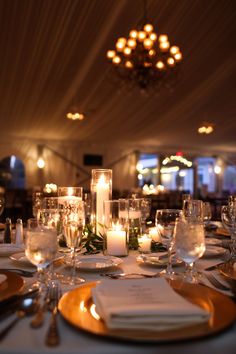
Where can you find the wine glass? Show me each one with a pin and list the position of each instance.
(228, 218)
(73, 222)
(41, 246)
(193, 209)
(207, 215)
(165, 222)
(145, 211)
(189, 245)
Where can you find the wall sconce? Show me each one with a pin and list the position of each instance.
(217, 169)
(41, 163)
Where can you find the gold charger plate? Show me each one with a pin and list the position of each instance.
(228, 270)
(11, 286)
(78, 309)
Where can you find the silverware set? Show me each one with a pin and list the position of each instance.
(30, 304)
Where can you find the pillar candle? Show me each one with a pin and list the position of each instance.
(116, 243)
(102, 195)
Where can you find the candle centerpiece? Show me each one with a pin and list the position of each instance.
(116, 229)
(101, 191)
(144, 243)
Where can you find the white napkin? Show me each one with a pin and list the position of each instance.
(148, 304)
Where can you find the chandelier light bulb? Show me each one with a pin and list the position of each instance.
(148, 28)
(152, 53)
(120, 46)
(127, 51)
(160, 65)
(163, 38)
(147, 43)
(174, 50)
(178, 56)
(128, 64)
(170, 61)
(141, 36)
(153, 37)
(131, 43)
(122, 40)
(133, 34)
(111, 54)
(164, 46)
(116, 59)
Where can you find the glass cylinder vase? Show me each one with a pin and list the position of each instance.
(101, 191)
(116, 226)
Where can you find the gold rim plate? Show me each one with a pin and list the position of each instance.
(11, 286)
(78, 309)
(228, 270)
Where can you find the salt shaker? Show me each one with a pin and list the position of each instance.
(19, 232)
(7, 231)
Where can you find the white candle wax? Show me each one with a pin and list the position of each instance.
(102, 195)
(144, 242)
(154, 233)
(133, 214)
(116, 243)
(69, 199)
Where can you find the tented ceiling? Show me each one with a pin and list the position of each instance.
(53, 56)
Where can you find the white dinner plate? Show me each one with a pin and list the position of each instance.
(20, 257)
(155, 259)
(213, 251)
(6, 249)
(94, 263)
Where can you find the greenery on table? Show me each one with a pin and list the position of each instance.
(91, 242)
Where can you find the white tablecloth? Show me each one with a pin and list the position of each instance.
(24, 340)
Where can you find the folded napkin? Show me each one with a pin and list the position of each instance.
(147, 304)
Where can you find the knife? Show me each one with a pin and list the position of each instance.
(11, 304)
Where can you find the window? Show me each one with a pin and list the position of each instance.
(147, 169)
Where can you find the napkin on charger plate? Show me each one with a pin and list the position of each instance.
(147, 304)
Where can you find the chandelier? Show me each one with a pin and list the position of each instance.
(145, 58)
(206, 128)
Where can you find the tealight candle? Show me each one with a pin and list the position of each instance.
(144, 242)
(116, 243)
(154, 233)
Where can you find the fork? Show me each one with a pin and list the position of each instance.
(124, 275)
(216, 283)
(52, 336)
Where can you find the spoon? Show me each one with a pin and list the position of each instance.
(27, 306)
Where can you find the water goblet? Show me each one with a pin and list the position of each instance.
(228, 218)
(207, 214)
(40, 246)
(189, 245)
(165, 222)
(193, 209)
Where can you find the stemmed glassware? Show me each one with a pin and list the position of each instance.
(72, 213)
(207, 214)
(189, 239)
(165, 222)
(193, 209)
(41, 246)
(228, 218)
